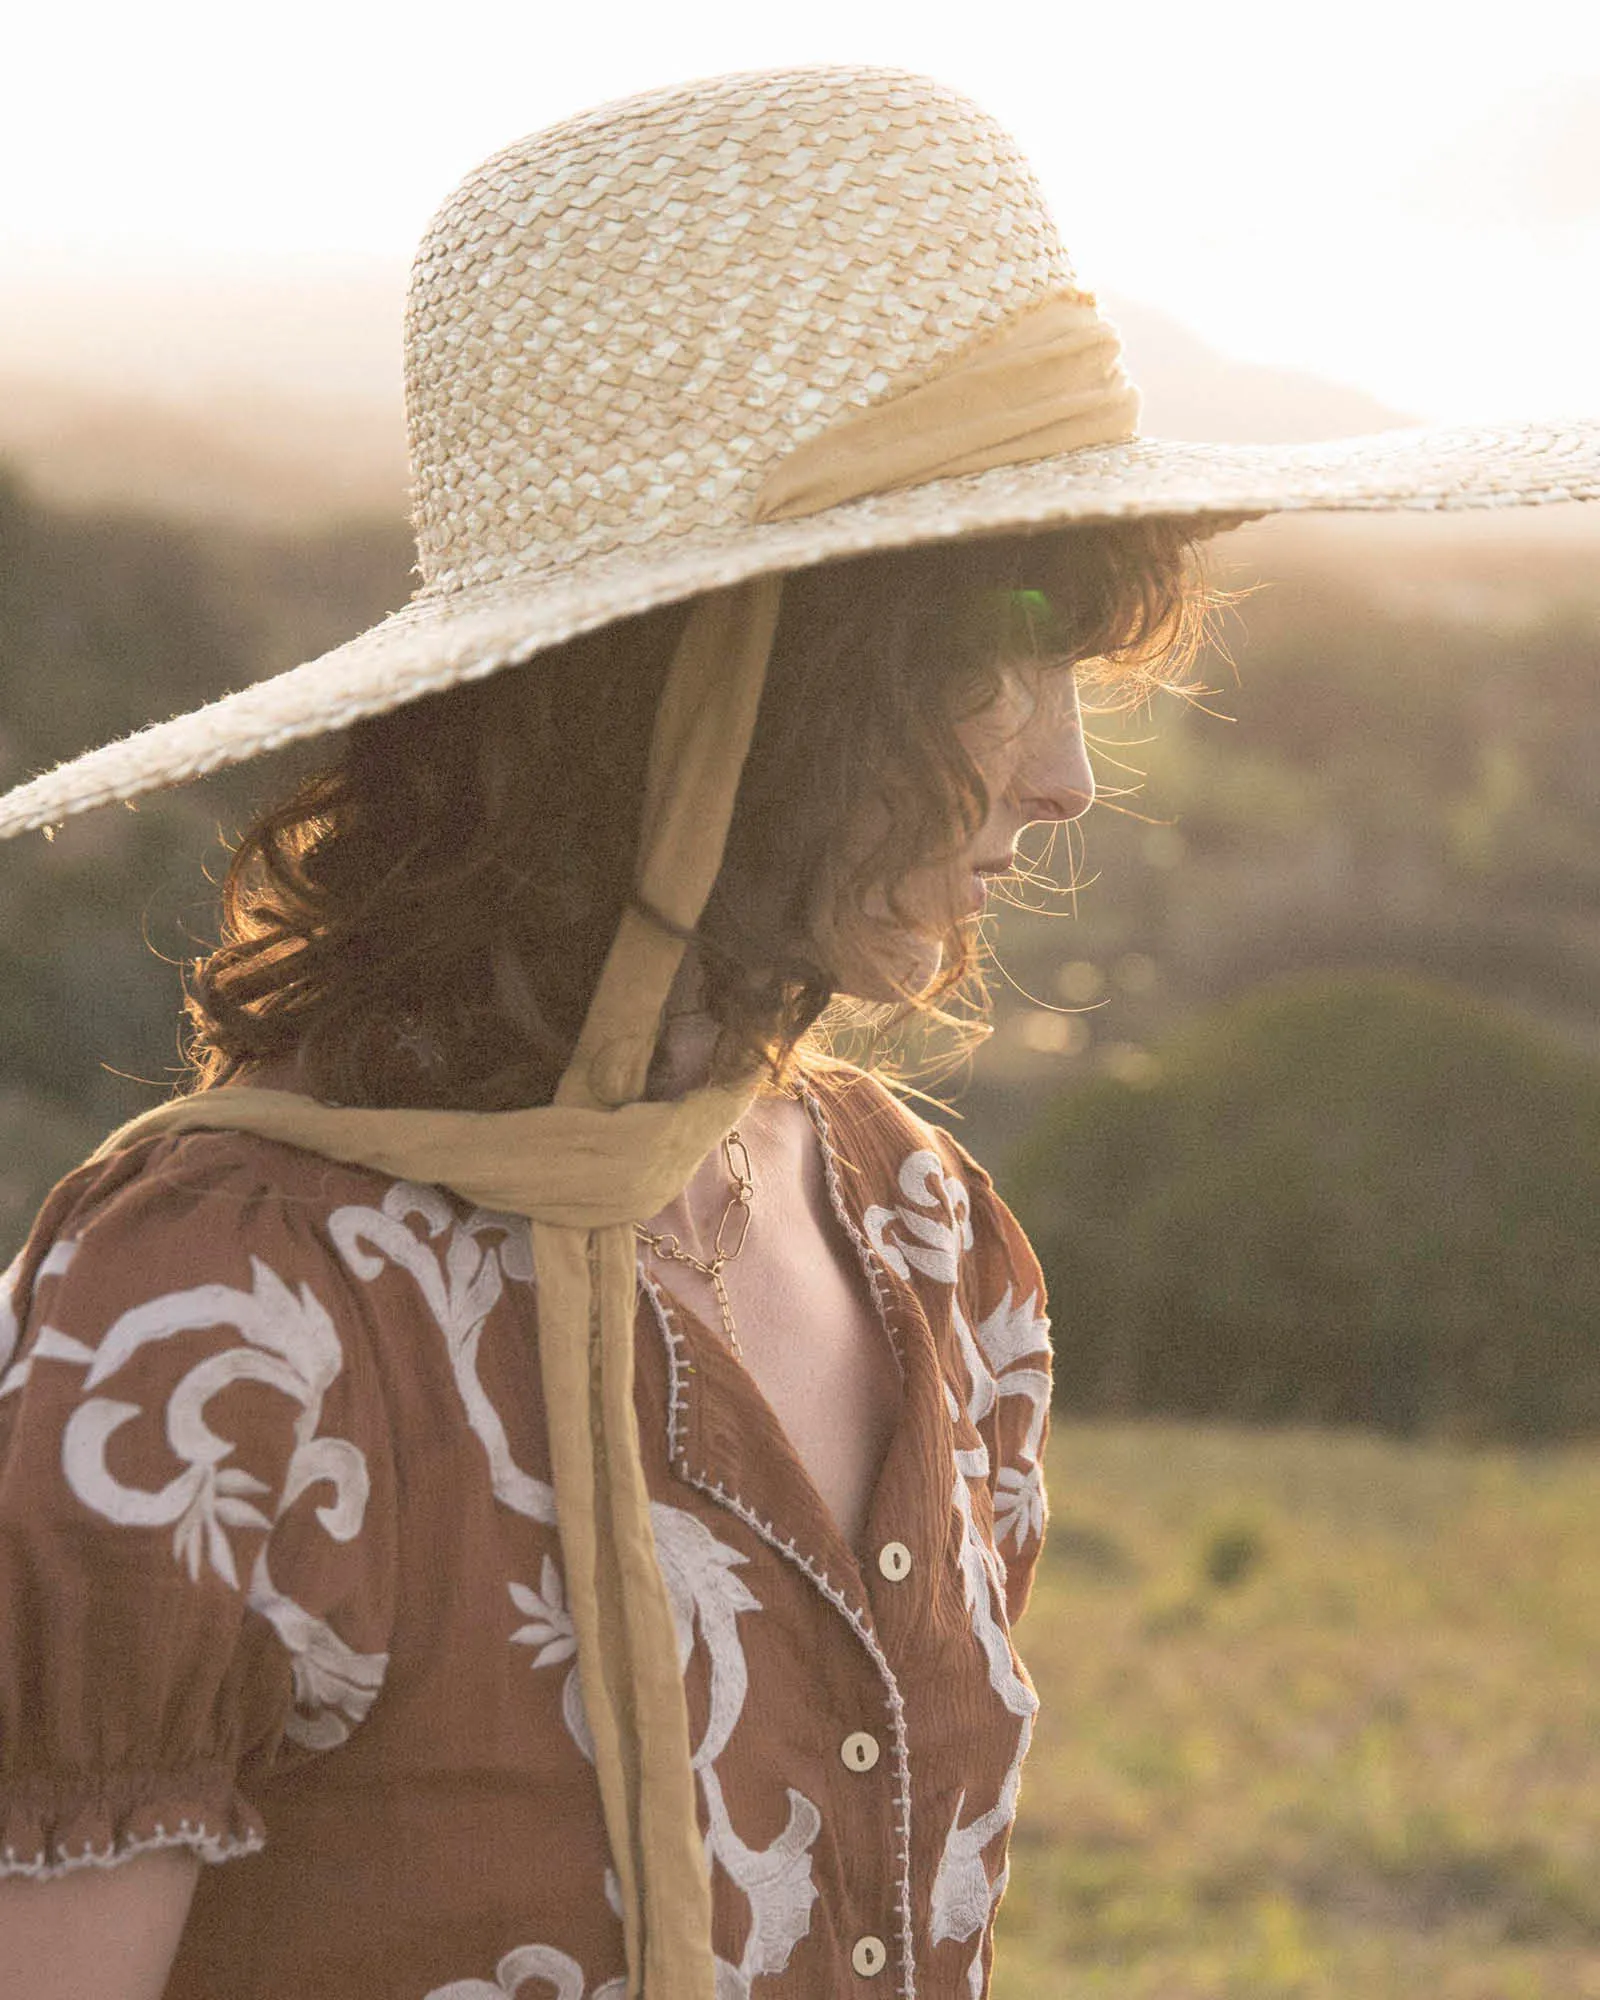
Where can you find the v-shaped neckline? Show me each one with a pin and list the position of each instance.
(730, 1440)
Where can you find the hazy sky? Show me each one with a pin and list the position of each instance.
(1403, 195)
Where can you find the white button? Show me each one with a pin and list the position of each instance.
(869, 1955)
(859, 1750)
(894, 1560)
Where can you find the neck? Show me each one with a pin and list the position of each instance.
(682, 1061)
(688, 1039)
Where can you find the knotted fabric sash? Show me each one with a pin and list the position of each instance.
(588, 1166)
(1047, 381)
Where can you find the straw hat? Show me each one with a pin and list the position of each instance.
(620, 329)
(673, 349)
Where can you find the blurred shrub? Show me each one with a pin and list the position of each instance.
(1231, 1551)
(1359, 1200)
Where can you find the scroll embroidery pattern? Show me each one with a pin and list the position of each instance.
(1017, 1332)
(559, 1975)
(289, 1347)
(461, 1270)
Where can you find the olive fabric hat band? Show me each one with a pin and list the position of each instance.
(1050, 380)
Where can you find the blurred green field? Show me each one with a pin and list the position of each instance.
(1321, 1717)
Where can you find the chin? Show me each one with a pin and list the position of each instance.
(909, 967)
(882, 961)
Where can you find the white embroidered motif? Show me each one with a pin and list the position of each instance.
(8, 1311)
(461, 1285)
(776, 1880)
(552, 1968)
(1016, 1331)
(963, 1898)
(563, 1976)
(982, 1391)
(49, 1344)
(930, 1244)
(462, 1279)
(290, 1347)
(550, 1625)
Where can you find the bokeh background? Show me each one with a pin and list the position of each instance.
(1297, 1087)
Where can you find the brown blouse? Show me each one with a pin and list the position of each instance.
(282, 1583)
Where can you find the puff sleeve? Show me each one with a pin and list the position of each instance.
(1003, 1305)
(197, 1541)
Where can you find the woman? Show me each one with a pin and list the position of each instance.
(531, 1467)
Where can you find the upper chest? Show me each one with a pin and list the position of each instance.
(812, 1336)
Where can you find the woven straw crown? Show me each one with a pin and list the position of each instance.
(618, 328)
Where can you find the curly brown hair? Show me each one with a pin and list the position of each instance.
(422, 921)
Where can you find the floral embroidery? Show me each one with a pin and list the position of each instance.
(50, 1344)
(929, 1244)
(461, 1287)
(929, 1237)
(1018, 1503)
(963, 1899)
(776, 1880)
(1014, 1331)
(8, 1311)
(564, 1977)
(550, 1627)
(552, 1968)
(1017, 1331)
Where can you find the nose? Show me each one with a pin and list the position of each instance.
(1055, 780)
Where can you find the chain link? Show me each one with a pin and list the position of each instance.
(736, 1155)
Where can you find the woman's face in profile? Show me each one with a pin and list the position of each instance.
(1028, 745)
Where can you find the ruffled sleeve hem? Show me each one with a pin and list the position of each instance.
(131, 1814)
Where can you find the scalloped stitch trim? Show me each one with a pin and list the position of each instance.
(877, 1276)
(897, 1711)
(736, 1504)
(209, 1846)
(678, 1364)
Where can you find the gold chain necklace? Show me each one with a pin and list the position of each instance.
(738, 1204)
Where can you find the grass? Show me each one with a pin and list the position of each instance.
(1320, 1719)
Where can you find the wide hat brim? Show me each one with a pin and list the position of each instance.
(439, 640)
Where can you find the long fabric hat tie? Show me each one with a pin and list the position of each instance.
(588, 1166)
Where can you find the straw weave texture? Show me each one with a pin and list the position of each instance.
(665, 297)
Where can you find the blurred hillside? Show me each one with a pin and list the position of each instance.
(1341, 1199)
(266, 397)
(106, 621)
